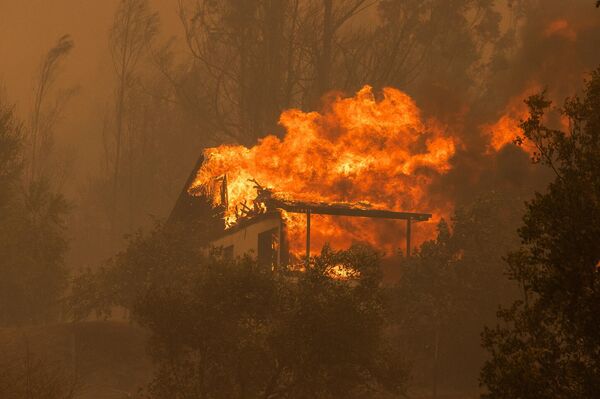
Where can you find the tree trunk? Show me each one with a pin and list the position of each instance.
(118, 139)
(119, 122)
(436, 351)
(325, 59)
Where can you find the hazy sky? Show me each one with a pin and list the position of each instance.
(29, 28)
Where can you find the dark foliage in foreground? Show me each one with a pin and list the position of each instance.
(28, 375)
(451, 288)
(230, 328)
(547, 345)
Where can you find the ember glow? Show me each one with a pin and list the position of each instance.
(378, 152)
(560, 27)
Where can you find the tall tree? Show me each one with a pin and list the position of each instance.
(32, 236)
(451, 287)
(11, 157)
(43, 115)
(546, 345)
(327, 46)
(248, 61)
(251, 59)
(134, 27)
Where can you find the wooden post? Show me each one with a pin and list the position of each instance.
(307, 237)
(280, 243)
(408, 226)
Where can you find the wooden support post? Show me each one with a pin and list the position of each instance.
(307, 237)
(408, 226)
(280, 243)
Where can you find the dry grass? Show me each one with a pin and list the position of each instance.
(101, 359)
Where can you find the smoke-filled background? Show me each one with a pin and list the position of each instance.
(186, 90)
(116, 100)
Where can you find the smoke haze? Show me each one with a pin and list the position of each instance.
(124, 120)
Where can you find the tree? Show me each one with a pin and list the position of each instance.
(450, 288)
(247, 64)
(44, 116)
(149, 259)
(252, 59)
(235, 329)
(428, 301)
(231, 328)
(134, 27)
(11, 160)
(24, 374)
(32, 236)
(546, 345)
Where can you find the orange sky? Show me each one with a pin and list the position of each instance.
(28, 28)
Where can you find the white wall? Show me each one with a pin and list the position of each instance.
(245, 239)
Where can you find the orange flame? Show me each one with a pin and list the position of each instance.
(506, 129)
(560, 27)
(379, 152)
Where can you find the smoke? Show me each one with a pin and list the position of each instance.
(555, 45)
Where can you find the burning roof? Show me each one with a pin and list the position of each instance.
(362, 155)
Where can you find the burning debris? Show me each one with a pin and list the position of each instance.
(267, 200)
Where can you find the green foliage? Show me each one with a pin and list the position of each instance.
(547, 344)
(32, 237)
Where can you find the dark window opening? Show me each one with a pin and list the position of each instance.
(268, 246)
(228, 252)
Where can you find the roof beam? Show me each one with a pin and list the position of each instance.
(318, 209)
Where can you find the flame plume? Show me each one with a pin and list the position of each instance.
(379, 152)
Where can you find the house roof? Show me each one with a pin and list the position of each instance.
(344, 209)
(190, 208)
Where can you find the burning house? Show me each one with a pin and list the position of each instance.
(261, 229)
(346, 175)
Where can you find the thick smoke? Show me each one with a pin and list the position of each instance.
(556, 47)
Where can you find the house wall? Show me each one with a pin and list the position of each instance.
(245, 239)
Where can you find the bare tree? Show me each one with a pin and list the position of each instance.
(134, 27)
(258, 57)
(328, 44)
(250, 60)
(44, 115)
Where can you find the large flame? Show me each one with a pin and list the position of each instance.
(379, 152)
